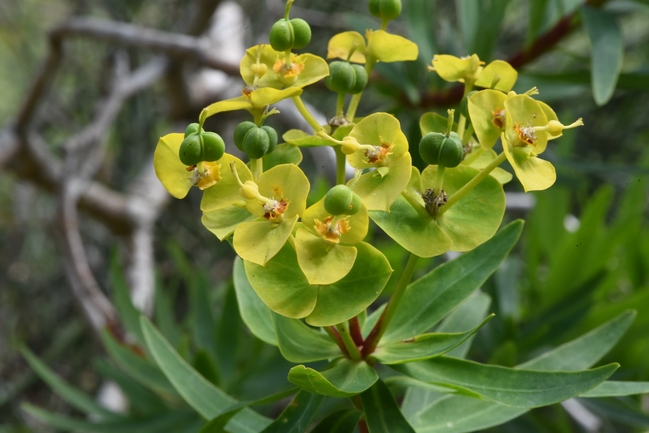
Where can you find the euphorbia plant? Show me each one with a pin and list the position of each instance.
(306, 278)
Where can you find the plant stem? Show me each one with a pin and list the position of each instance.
(379, 329)
(358, 403)
(353, 351)
(340, 105)
(356, 99)
(335, 336)
(257, 167)
(421, 210)
(305, 113)
(341, 165)
(439, 178)
(472, 183)
(355, 331)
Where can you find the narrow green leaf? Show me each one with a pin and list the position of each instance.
(67, 392)
(607, 51)
(616, 388)
(512, 387)
(297, 416)
(164, 315)
(342, 421)
(371, 320)
(382, 413)
(169, 421)
(208, 400)
(135, 366)
(424, 346)
(205, 366)
(129, 315)
(467, 315)
(299, 343)
(255, 314)
(584, 351)
(430, 298)
(344, 378)
(228, 336)
(139, 397)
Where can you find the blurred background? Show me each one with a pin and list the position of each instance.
(88, 86)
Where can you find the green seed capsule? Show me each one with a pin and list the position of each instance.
(361, 79)
(355, 205)
(272, 138)
(464, 105)
(338, 200)
(213, 146)
(190, 152)
(301, 33)
(281, 35)
(240, 132)
(385, 9)
(437, 149)
(256, 143)
(342, 77)
(192, 128)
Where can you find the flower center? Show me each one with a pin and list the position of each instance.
(331, 230)
(274, 209)
(376, 154)
(288, 70)
(207, 177)
(434, 201)
(526, 134)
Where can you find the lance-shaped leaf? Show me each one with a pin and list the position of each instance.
(343, 378)
(297, 415)
(208, 400)
(254, 313)
(508, 386)
(299, 343)
(342, 421)
(382, 413)
(617, 388)
(430, 298)
(423, 347)
(284, 288)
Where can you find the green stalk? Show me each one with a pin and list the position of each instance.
(341, 165)
(340, 105)
(354, 353)
(356, 99)
(377, 332)
(335, 336)
(305, 113)
(416, 205)
(439, 179)
(257, 167)
(472, 183)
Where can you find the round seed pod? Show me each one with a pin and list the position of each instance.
(281, 35)
(464, 105)
(192, 128)
(240, 132)
(385, 9)
(342, 77)
(338, 200)
(301, 33)
(256, 143)
(355, 206)
(437, 149)
(272, 138)
(361, 79)
(213, 146)
(190, 151)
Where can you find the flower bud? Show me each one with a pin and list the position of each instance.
(385, 9)
(438, 149)
(338, 200)
(249, 190)
(289, 34)
(190, 152)
(256, 143)
(349, 146)
(301, 33)
(361, 79)
(341, 77)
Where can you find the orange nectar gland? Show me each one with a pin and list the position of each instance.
(207, 177)
(374, 154)
(288, 69)
(332, 228)
(499, 118)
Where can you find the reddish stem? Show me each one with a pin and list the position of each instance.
(355, 331)
(335, 336)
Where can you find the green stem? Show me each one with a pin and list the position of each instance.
(287, 9)
(377, 332)
(421, 210)
(201, 168)
(287, 59)
(384, 23)
(305, 113)
(355, 331)
(356, 99)
(472, 183)
(257, 167)
(461, 123)
(340, 105)
(439, 178)
(354, 353)
(335, 336)
(341, 165)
